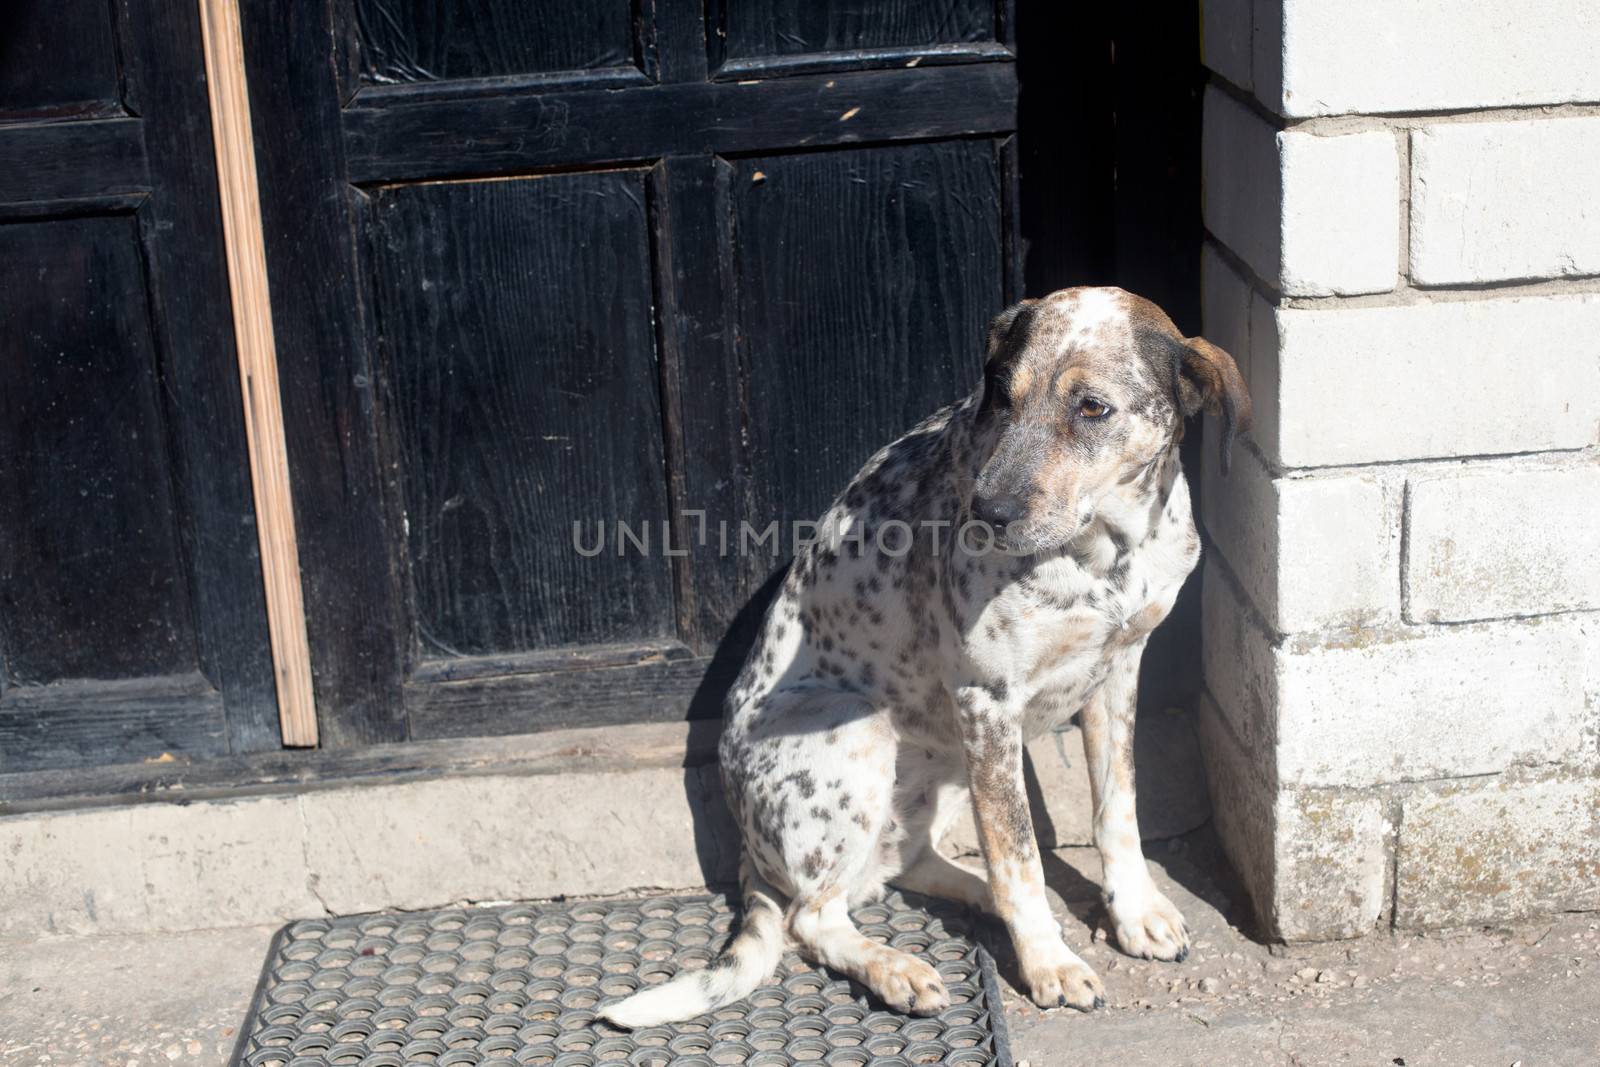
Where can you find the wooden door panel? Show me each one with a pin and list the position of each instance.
(412, 135)
(580, 195)
(57, 60)
(754, 28)
(515, 325)
(444, 40)
(132, 617)
(93, 583)
(843, 360)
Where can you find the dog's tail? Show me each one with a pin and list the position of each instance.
(745, 962)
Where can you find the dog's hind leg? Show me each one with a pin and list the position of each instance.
(820, 924)
(923, 868)
(822, 809)
(932, 875)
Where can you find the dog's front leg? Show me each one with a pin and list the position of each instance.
(1146, 922)
(992, 741)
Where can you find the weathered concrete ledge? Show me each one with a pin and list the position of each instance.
(588, 812)
(571, 812)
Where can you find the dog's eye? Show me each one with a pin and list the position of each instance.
(1090, 408)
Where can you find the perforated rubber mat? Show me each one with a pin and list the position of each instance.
(519, 985)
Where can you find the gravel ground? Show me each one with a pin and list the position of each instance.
(1527, 994)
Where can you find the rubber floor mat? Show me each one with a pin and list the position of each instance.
(518, 986)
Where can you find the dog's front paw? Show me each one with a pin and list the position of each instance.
(1149, 926)
(906, 983)
(1057, 978)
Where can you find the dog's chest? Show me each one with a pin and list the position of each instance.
(1053, 636)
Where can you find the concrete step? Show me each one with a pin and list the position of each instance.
(594, 812)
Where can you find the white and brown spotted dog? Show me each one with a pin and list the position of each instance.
(903, 666)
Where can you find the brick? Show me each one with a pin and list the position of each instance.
(1341, 213)
(1313, 861)
(1225, 307)
(1372, 384)
(1498, 851)
(1312, 553)
(1242, 192)
(1495, 201)
(1502, 541)
(1226, 38)
(1240, 667)
(1312, 215)
(1372, 707)
(1409, 705)
(1334, 57)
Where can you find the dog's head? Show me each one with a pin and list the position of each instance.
(1083, 391)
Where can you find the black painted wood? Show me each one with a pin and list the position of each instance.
(185, 269)
(182, 780)
(843, 360)
(92, 584)
(905, 126)
(897, 57)
(346, 507)
(57, 60)
(522, 131)
(88, 724)
(131, 606)
(72, 160)
(430, 40)
(653, 691)
(703, 390)
(518, 356)
(788, 27)
(566, 305)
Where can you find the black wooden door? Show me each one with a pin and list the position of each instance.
(665, 262)
(132, 622)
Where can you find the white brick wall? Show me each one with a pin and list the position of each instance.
(1338, 564)
(1242, 196)
(1336, 57)
(1488, 542)
(1322, 852)
(1341, 213)
(1312, 215)
(1370, 707)
(1226, 38)
(1366, 384)
(1488, 851)
(1225, 310)
(1402, 590)
(1492, 201)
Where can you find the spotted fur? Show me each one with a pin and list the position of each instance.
(887, 688)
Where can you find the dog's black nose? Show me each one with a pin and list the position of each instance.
(998, 511)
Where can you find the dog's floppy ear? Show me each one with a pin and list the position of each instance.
(1000, 327)
(1206, 378)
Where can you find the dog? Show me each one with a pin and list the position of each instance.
(896, 676)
